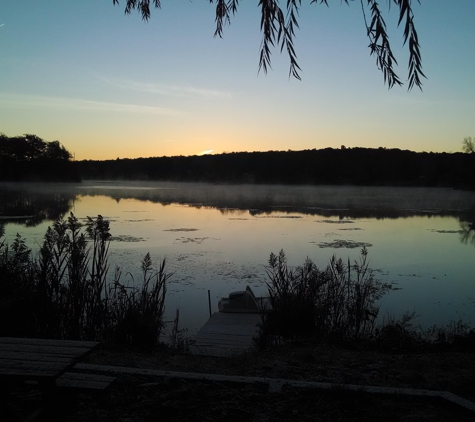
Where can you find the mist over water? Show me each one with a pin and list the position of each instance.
(219, 237)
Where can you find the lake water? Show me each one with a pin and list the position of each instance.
(219, 237)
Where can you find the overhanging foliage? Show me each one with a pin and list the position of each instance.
(278, 26)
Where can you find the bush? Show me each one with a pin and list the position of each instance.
(399, 334)
(136, 314)
(339, 301)
(64, 293)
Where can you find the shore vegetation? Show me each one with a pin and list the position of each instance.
(65, 292)
(339, 301)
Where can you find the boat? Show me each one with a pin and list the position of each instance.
(243, 302)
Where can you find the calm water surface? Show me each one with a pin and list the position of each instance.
(219, 237)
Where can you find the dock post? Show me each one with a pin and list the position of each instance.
(209, 302)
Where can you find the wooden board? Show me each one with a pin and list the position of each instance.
(39, 359)
(227, 334)
(49, 342)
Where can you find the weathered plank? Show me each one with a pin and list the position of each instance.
(25, 356)
(232, 317)
(227, 334)
(20, 374)
(41, 366)
(246, 331)
(48, 349)
(49, 342)
(38, 359)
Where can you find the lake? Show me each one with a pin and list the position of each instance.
(219, 237)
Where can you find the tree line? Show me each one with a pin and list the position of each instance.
(28, 157)
(344, 166)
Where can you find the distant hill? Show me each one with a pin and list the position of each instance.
(346, 166)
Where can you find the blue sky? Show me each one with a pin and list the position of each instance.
(108, 85)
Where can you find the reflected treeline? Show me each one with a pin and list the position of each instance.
(329, 201)
(467, 234)
(31, 207)
(31, 204)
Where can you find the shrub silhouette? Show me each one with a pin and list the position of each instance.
(339, 301)
(64, 293)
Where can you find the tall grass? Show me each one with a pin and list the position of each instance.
(136, 314)
(64, 291)
(339, 301)
(16, 298)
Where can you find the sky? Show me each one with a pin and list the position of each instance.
(108, 85)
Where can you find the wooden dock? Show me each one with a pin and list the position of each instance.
(227, 334)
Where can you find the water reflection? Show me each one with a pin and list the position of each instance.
(31, 207)
(30, 204)
(218, 237)
(467, 235)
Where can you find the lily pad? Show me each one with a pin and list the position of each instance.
(349, 244)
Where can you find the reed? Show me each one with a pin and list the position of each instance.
(64, 292)
(136, 313)
(338, 301)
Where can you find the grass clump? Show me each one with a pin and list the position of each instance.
(64, 291)
(339, 301)
(137, 313)
(400, 335)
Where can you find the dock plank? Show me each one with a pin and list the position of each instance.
(227, 334)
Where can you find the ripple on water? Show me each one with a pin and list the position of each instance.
(281, 216)
(352, 228)
(335, 221)
(182, 229)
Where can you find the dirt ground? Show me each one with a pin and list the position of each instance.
(138, 398)
(145, 399)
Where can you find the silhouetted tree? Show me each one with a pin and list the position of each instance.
(29, 157)
(468, 145)
(30, 148)
(34, 146)
(56, 151)
(278, 28)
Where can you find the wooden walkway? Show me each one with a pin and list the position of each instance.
(227, 334)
